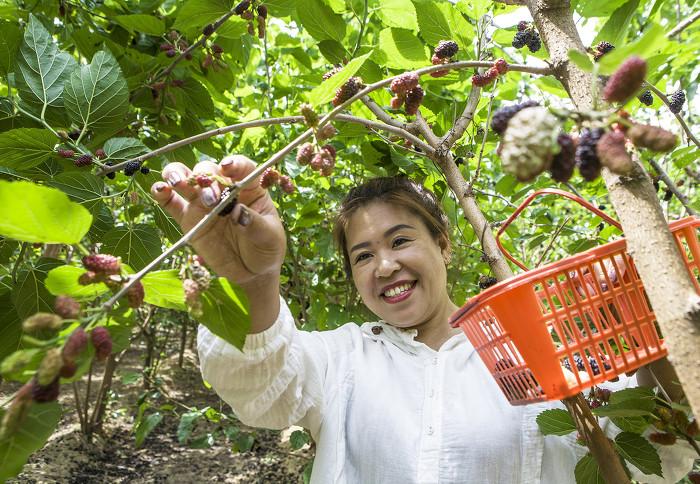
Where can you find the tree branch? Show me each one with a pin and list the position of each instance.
(672, 187)
(462, 123)
(683, 25)
(680, 119)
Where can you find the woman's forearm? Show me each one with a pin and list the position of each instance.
(264, 299)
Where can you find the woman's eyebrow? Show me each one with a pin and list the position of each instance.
(390, 231)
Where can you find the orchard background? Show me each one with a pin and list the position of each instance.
(96, 97)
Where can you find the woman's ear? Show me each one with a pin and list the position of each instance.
(446, 250)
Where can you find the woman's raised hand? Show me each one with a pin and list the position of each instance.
(247, 243)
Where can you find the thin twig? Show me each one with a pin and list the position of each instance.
(672, 186)
(87, 395)
(20, 256)
(680, 119)
(81, 418)
(483, 141)
(551, 241)
(383, 127)
(495, 195)
(683, 25)
(362, 31)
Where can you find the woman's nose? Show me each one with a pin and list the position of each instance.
(386, 265)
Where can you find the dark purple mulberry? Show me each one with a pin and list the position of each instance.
(209, 28)
(348, 90)
(534, 44)
(45, 393)
(145, 170)
(586, 156)
(446, 49)
(241, 7)
(262, 11)
(500, 119)
(414, 98)
(131, 168)
(486, 281)
(521, 39)
(563, 163)
(676, 101)
(601, 49)
(83, 160)
(646, 98)
(111, 175)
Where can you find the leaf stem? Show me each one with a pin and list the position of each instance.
(20, 256)
(362, 31)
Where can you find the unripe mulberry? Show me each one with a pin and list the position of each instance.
(209, 28)
(522, 38)
(326, 132)
(626, 80)
(131, 168)
(348, 90)
(522, 25)
(287, 184)
(501, 66)
(42, 321)
(646, 98)
(83, 160)
(676, 101)
(192, 299)
(662, 438)
(529, 142)
(492, 73)
(601, 49)
(305, 153)
(65, 153)
(481, 81)
(586, 155)
(404, 83)
(50, 366)
(201, 276)
(45, 393)
(414, 98)
(269, 178)
(446, 49)
(500, 119)
(135, 295)
(16, 412)
(102, 342)
(310, 116)
(262, 11)
(68, 369)
(100, 153)
(612, 153)
(66, 307)
(316, 162)
(564, 162)
(203, 181)
(166, 46)
(397, 101)
(651, 137)
(105, 263)
(439, 61)
(75, 344)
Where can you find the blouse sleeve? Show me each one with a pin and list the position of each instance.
(278, 378)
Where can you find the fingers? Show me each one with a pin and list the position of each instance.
(170, 200)
(237, 167)
(209, 195)
(176, 174)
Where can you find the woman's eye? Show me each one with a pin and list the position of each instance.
(361, 257)
(400, 241)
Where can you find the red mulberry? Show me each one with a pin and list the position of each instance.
(203, 181)
(414, 98)
(564, 162)
(522, 25)
(135, 295)
(651, 137)
(102, 342)
(330, 150)
(501, 65)
(348, 90)
(500, 119)
(446, 49)
(42, 321)
(269, 178)
(316, 162)
(305, 153)
(90, 277)
(83, 160)
(100, 153)
(287, 184)
(481, 81)
(66, 307)
(492, 73)
(326, 132)
(613, 154)
(68, 369)
(586, 155)
(397, 102)
(676, 101)
(662, 438)
(404, 83)
(45, 393)
(626, 80)
(65, 153)
(75, 344)
(104, 263)
(166, 46)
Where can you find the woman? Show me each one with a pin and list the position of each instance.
(403, 400)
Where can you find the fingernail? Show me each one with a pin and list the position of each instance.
(160, 187)
(209, 197)
(226, 162)
(244, 217)
(174, 178)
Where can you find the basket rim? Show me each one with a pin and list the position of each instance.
(589, 255)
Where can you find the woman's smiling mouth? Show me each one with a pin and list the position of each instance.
(398, 293)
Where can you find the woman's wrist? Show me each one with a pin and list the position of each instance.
(263, 294)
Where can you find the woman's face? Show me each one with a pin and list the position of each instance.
(397, 265)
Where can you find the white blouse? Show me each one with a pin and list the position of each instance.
(384, 408)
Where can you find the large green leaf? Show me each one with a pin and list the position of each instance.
(401, 49)
(10, 39)
(442, 21)
(587, 471)
(30, 295)
(652, 43)
(10, 326)
(137, 245)
(96, 95)
(633, 407)
(35, 430)
(64, 280)
(195, 14)
(122, 149)
(639, 452)
(167, 224)
(24, 148)
(82, 187)
(164, 289)
(398, 13)
(146, 426)
(41, 68)
(136, 23)
(598, 8)
(320, 21)
(225, 312)
(196, 98)
(615, 28)
(33, 213)
(555, 421)
(325, 92)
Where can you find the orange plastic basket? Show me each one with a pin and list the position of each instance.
(588, 313)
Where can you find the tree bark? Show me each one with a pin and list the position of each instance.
(662, 269)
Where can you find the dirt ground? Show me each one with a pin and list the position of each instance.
(113, 457)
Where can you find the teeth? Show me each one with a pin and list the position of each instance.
(395, 291)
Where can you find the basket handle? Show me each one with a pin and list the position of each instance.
(548, 191)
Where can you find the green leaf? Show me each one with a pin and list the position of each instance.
(38, 425)
(442, 21)
(64, 280)
(581, 59)
(81, 187)
(398, 13)
(639, 452)
(598, 8)
(33, 213)
(164, 289)
(298, 439)
(325, 92)
(167, 224)
(320, 21)
(333, 51)
(24, 148)
(195, 14)
(634, 407)
(635, 393)
(225, 312)
(400, 49)
(615, 29)
(147, 24)
(29, 294)
(41, 68)
(187, 421)
(652, 43)
(96, 95)
(146, 427)
(630, 424)
(137, 245)
(555, 422)
(10, 40)
(122, 149)
(196, 98)
(587, 471)
(10, 326)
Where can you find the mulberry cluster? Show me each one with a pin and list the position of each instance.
(192, 299)
(612, 153)
(414, 98)
(601, 49)
(592, 362)
(246, 11)
(646, 98)
(527, 35)
(676, 101)
(586, 155)
(336, 69)
(322, 160)
(271, 177)
(305, 153)
(486, 281)
(403, 83)
(348, 90)
(626, 80)
(499, 67)
(102, 263)
(131, 168)
(65, 153)
(564, 162)
(408, 91)
(178, 43)
(443, 53)
(500, 119)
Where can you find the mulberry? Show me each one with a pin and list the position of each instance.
(414, 98)
(75, 344)
(209, 28)
(68, 369)
(326, 132)
(166, 46)
(586, 156)
(332, 72)
(131, 168)
(316, 162)
(135, 295)
(651, 137)
(104, 263)
(486, 281)
(83, 160)
(50, 367)
(269, 178)
(500, 119)
(564, 162)
(676, 101)
(171, 53)
(203, 181)
(45, 393)
(201, 275)
(626, 80)
(348, 90)
(66, 307)
(230, 206)
(522, 25)
(534, 44)
(90, 277)
(287, 184)
(522, 38)
(529, 142)
(111, 175)
(310, 116)
(217, 50)
(480, 81)
(601, 49)
(305, 153)
(501, 66)
(42, 321)
(241, 7)
(102, 342)
(612, 153)
(262, 11)
(397, 101)
(662, 438)
(65, 153)
(330, 149)
(100, 153)
(646, 98)
(404, 83)
(446, 49)
(145, 170)
(17, 411)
